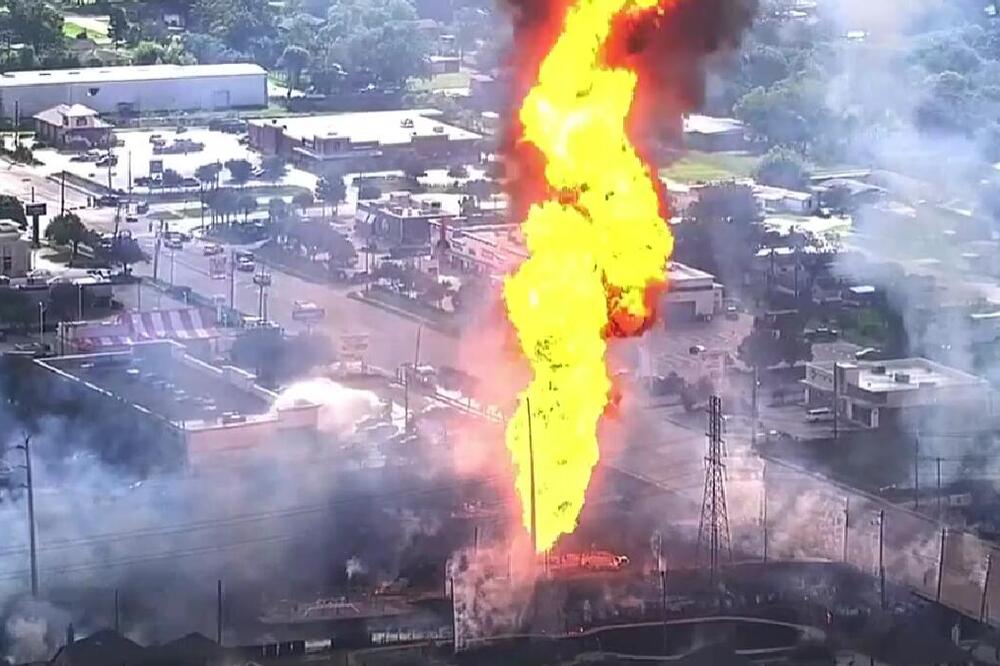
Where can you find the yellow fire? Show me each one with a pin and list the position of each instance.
(595, 248)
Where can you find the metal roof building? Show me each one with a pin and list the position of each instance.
(135, 89)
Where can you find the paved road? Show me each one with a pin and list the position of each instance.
(392, 338)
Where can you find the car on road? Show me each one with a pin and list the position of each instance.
(869, 354)
(106, 161)
(307, 311)
(108, 200)
(245, 264)
(211, 249)
(131, 219)
(173, 243)
(142, 207)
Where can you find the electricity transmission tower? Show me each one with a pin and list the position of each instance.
(713, 528)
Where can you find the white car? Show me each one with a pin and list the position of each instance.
(307, 311)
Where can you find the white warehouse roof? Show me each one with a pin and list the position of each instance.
(386, 127)
(126, 73)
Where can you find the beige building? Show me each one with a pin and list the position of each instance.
(73, 125)
(15, 250)
(881, 394)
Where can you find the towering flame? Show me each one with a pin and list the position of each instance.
(598, 248)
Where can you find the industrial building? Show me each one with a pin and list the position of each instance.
(135, 89)
(691, 294)
(709, 133)
(370, 140)
(883, 394)
(191, 413)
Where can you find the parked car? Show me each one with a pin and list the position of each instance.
(173, 243)
(109, 200)
(107, 160)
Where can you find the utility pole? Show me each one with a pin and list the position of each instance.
(881, 557)
(916, 472)
(408, 377)
(531, 473)
(218, 612)
(983, 607)
(836, 401)
(41, 322)
(940, 576)
(938, 461)
(117, 614)
(713, 528)
(754, 407)
(62, 193)
(763, 521)
(32, 541)
(232, 281)
(847, 526)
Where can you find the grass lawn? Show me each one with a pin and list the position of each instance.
(441, 82)
(696, 167)
(71, 30)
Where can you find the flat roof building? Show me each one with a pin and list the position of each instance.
(15, 250)
(375, 139)
(881, 394)
(711, 133)
(195, 413)
(135, 89)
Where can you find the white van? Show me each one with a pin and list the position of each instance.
(819, 415)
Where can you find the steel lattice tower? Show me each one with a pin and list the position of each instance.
(713, 528)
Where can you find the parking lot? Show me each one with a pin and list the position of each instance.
(218, 147)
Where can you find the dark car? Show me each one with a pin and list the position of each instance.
(108, 200)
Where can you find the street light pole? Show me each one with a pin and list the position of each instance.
(41, 322)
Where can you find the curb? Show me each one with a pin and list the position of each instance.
(406, 314)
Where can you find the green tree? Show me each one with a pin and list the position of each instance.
(760, 349)
(782, 167)
(330, 189)
(274, 167)
(303, 200)
(239, 23)
(148, 53)
(68, 230)
(125, 250)
(277, 209)
(11, 208)
(208, 174)
(118, 26)
(294, 59)
(246, 204)
(33, 22)
(240, 171)
(16, 309)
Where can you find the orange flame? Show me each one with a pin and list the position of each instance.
(598, 247)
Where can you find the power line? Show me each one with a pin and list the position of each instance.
(110, 537)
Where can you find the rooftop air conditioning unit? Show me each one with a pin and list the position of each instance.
(902, 378)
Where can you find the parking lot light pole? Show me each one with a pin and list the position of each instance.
(41, 322)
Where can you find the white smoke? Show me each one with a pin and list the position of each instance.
(355, 567)
(341, 407)
(34, 630)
